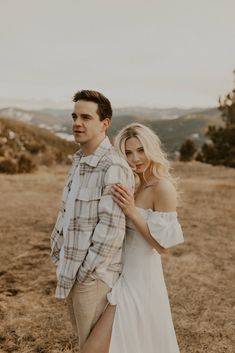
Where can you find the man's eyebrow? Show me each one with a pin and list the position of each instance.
(86, 114)
(82, 115)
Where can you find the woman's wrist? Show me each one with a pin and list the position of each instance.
(134, 215)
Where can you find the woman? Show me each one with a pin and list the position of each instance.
(138, 317)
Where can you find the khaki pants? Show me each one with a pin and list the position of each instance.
(86, 302)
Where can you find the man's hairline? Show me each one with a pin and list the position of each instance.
(84, 100)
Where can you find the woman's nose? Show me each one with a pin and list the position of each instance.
(135, 157)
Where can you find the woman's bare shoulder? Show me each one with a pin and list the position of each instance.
(164, 185)
(165, 195)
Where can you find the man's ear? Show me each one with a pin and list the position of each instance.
(106, 123)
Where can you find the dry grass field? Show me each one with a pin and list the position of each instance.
(200, 274)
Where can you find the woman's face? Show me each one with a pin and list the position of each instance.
(136, 156)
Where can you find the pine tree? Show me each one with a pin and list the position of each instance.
(187, 150)
(221, 149)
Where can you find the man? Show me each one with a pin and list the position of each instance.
(88, 235)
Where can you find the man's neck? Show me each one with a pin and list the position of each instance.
(91, 146)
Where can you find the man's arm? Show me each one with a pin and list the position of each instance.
(110, 231)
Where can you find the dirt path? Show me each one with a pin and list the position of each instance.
(199, 274)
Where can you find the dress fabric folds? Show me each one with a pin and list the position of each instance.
(143, 321)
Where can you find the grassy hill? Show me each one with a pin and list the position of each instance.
(199, 274)
(24, 146)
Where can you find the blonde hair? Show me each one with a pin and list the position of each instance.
(159, 164)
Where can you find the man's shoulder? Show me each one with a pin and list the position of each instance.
(112, 157)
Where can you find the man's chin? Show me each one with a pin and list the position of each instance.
(79, 140)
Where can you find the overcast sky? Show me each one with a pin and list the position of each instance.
(137, 52)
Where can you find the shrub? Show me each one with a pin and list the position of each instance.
(47, 158)
(59, 157)
(34, 148)
(221, 151)
(26, 164)
(8, 166)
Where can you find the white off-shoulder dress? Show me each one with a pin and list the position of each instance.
(143, 321)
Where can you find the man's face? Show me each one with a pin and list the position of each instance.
(88, 130)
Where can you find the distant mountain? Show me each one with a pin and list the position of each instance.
(173, 125)
(174, 131)
(154, 113)
(51, 118)
(62, 117)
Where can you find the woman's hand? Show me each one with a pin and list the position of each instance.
(125, 199)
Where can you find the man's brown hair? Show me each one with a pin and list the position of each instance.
(104, 105)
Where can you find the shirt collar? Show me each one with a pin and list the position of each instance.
(95, 157)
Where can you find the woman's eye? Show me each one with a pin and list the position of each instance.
(128, 153)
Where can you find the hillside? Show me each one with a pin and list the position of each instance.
(194, 126)
(54, 118)
(23, 147)
(173, 125)
(173, 132)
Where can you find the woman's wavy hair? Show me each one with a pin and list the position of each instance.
(159, 164)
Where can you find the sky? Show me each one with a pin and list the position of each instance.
(160, 53)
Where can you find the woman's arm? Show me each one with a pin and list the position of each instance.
(142, 227)
(164, 197)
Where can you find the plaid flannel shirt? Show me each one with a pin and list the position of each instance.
(93, 242)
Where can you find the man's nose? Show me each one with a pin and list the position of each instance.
(77, 122)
